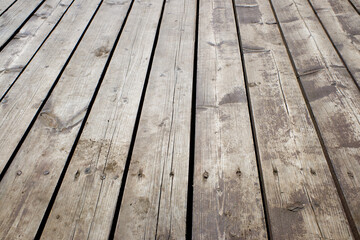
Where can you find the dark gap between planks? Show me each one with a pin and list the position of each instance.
(136, 126)
(37, 50)
(313, 119)
(57, 188)
(253, 129)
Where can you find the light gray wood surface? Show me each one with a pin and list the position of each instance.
(155, 198)
(332, 94)
(21, 103)
(99, 141)
(12, 19)
(85, 205)
(356, 5)
(5, 4)
(44, 152)
(342, 23)
(295, 172)
(19, 51)
(227, 198)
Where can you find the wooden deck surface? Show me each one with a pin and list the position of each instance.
(180, 119)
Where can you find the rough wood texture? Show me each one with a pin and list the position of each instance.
(85, 205)
(305, 205)
(11, 20)
(227, 199)
(343, 26)
(43, 154)
(332, 94)
(278, 139)
(356, 5)
(21, 103)
(5, 4)
(22, 48)
(155, 196)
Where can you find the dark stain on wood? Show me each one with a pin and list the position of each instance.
(249, 13)
(102, 51)
(236, 96)
(315, 93)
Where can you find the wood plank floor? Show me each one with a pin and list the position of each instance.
(180, 119)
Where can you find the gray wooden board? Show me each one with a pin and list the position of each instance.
(301, 195)
(85, 205)
(227, 198)
(5, 4)
(332, 94)
(12, 19)
(343, 26)
(356, 4)
(23, 46)
(28, 184)
(155, 198)
(21, 103)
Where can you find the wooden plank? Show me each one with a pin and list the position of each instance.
(342, 23)
(356, 5)
(155, 198)
(19, 51)
(85, 205)
(21, 103)
(43, 154)
(227, 198)
(295, 171)
(12, 19)
(332, 95)
(5, 4)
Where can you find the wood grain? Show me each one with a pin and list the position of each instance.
(21, 103)
(296, 175)
(5, 4)
(19, 51)
(342, 23)
(28, 184)
(227, 198)
(332, 95)
(85, 205)
(356, 5)
(12, 19)
(155, 197)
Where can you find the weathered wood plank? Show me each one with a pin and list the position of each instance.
(85, 205)
(227, 198)
(332, 94)
(296, 175)
(21, 103)
(356, 5)
(23, 46)
(12, 19)
(342, 23)
(5, 4)
(28, 184)
(155, 197)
